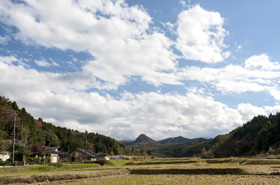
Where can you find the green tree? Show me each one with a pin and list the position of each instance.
(3, 145)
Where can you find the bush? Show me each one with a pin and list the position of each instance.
(58, 165)
(3, 163)
(103, 162)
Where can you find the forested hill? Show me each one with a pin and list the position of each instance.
(180, 139)
(30, 131)
(260, 135)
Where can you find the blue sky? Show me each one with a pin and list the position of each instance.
(122, 68)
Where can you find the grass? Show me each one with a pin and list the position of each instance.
(262, 162)
(43, 169)
(161, 162)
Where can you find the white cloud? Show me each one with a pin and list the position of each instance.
(183, 3)
(59, 98)
(201, 35)
(42, 63)
(261, 62)
(8, 59)
(118, 36)
(125, 45)
(257, 75)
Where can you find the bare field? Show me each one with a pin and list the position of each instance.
(215, 171)
(180, 179)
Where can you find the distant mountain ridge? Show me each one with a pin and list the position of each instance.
(179, 140)
(142, 138)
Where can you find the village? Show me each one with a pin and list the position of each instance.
(53, 155)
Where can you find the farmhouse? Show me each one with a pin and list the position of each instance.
(81, 154)
(101, 155)
(53, 154)
(45, 151)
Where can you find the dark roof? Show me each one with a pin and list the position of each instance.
(52, 150)
(87, 152)
(91, 152)
(101, 154)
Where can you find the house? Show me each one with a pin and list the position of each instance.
(102, 156)
(81, 154)
(4, 156)
(41, 152)
(63, 156)
(54, 154)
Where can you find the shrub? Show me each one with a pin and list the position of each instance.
(58, 165)
(3, 163)
(103, 162)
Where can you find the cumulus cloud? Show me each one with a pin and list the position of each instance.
(125, 45)
(8, 59)
(257, 75)
(121, 38)
(261, 62)
(201, 35)
(56, 98)
(118, 36)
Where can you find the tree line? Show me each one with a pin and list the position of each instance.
(30, 131)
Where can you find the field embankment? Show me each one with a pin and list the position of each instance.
(205, 171)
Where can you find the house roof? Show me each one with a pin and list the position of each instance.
(101, 154)
(53, 150)
(87, 152)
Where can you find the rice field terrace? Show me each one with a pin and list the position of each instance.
(187, 171)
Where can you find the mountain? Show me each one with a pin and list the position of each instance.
(179, 140)
(144, 144)
(260, 135)
(142, 138)
(167, 147)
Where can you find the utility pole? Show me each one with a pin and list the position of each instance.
(86, 145)
(14, 138)
(69, 154)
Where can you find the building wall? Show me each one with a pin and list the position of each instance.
(76, 155)
(54, 158)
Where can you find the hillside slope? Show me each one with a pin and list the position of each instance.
(256, 136)
(261, 135)
(31, 131)
(142, 138)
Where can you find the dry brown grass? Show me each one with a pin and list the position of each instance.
(179, 179)
(216, 171)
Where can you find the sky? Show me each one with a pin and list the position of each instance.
(191, 68)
